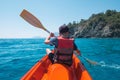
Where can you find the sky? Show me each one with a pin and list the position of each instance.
(51, 13)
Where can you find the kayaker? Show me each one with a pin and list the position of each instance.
(64, 47)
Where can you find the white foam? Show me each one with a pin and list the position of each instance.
(114, 66)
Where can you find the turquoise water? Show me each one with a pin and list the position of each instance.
(17, 56)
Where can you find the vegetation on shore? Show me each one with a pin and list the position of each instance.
(101, 25)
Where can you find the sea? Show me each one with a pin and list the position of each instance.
(17, 56)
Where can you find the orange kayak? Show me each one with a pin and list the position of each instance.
(45, 70)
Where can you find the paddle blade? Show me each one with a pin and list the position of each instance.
(90, 61)
(32, 20)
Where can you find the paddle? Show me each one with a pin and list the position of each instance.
(90, 61)
(35, 22)
(32, 20)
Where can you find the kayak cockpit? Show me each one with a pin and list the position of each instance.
(45, 70)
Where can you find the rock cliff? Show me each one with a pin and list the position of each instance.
(101, 25)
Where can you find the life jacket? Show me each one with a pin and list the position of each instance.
(64, 51)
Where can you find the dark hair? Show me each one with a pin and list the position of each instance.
(63, 29)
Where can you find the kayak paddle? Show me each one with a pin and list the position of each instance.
(36, 22)
(90, 61)
(32, 20)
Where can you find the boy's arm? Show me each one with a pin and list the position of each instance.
(76, 50)
(47, 40)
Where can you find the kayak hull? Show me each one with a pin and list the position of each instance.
(45, 70)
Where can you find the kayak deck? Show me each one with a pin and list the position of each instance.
(45, 70)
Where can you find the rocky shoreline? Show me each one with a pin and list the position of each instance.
(101, 25)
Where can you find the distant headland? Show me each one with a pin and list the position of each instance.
(101, 25)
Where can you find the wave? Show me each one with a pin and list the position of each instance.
(114, 66)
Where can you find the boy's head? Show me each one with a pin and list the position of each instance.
(63, 29)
